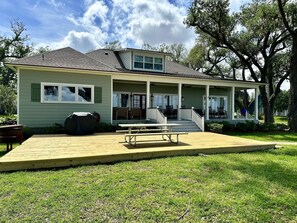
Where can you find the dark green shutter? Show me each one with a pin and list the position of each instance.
(35, 92)
(98, 94)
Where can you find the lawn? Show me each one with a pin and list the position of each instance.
(246, 187)
(268, 136)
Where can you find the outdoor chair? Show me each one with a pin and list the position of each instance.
(122, 113)
(135, 113)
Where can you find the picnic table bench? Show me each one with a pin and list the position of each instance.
(139, 130)
(10, 134)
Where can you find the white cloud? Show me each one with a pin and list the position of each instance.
(81, 41)
(154, 22)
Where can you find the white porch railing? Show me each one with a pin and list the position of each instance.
(192, 115)
(247, 116)
(156, 114)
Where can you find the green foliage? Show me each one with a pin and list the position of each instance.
(13, 47)
(7, 100)
(8, 120)
(282, 101)
(255, 35)
(214, 127)
(104, 127)
(247, 126)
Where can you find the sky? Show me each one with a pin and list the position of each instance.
(86, 25)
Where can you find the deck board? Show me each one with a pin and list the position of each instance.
(49, 151)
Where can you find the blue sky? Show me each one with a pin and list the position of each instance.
(87, 24)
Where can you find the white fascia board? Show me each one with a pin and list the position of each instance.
(153, 78)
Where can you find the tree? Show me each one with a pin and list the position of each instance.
(13, 47)
(178, 51)
(282, 101)
(7, 100)
(255, 35)
(113, 45)
(289, 17)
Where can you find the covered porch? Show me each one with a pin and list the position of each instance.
(140, 101)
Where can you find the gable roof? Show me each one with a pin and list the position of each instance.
(63, 58)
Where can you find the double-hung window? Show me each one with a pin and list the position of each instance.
(67, 93)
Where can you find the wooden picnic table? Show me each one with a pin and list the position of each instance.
(135, 130)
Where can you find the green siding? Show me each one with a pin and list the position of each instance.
(164, 89)
(129, 87)
(36, 114)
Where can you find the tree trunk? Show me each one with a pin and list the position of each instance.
(267, 106)
(292, 114)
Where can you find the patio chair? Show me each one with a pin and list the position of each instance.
(122, 113)
(135, 113)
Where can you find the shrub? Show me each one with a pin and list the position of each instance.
(11, 120)
(247, 126)
(272, 127)
(214, 127)
(7, 100)
(104, 127)
(227, 126)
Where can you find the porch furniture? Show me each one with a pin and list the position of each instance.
(136, 130)
(135, 113)
(222, 113)
(11, 134)
(122, 113)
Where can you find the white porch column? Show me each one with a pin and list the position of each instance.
(207, 102)
(111, 109)
(232, 102)
(179, 99)
(256, 104)
(148, 94)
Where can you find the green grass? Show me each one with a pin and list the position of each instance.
(281, 120)
(268, 136)
(246, 187)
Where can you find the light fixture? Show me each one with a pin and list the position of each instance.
(183, 98)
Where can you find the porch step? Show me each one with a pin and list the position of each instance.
(185, 126)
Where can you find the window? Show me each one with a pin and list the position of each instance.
(67, 93)
(121, 99)
(216, 102)
(148, 63)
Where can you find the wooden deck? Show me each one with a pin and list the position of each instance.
(50, 151)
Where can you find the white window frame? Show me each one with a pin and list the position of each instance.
(60, 85)
(118, 99)
(143, 61)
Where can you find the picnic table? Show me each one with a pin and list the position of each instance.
(135, 130)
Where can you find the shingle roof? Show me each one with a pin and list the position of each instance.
(111, 58)
(101, 60)
(64, 58)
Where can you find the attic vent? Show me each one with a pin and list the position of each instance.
(106, 53)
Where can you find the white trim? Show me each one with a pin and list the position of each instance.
(148, 94)
(144, 77)
(60, 85)
(18, 95)
(207, 102)
(256, 104)
(232, 102)
(143, 62)
(179, 100)
(111, 101)
(123, 92)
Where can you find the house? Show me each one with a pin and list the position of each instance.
(125, 85)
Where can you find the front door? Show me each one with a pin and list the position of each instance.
(139, 101)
